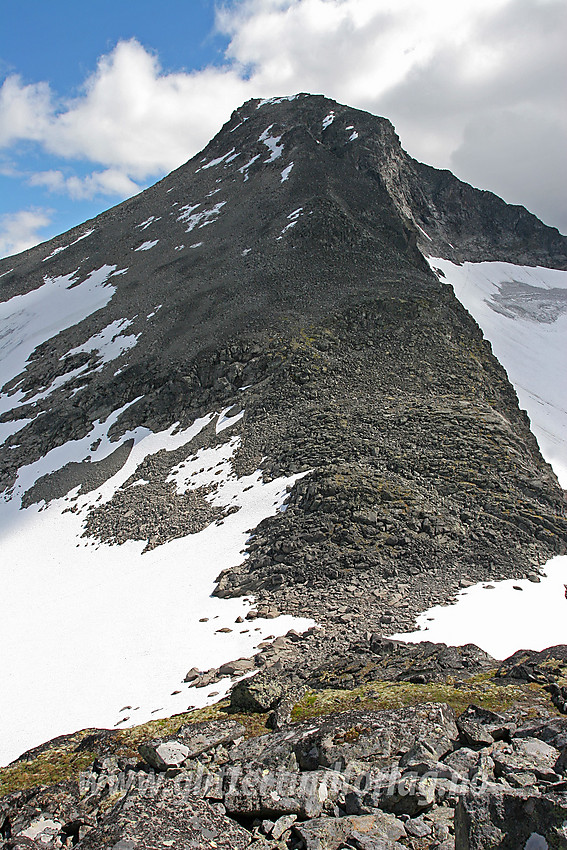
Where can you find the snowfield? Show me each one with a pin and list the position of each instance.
(523, 313)
(101, 635)
(503, 616)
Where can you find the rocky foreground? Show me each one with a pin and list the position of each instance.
(391, 746)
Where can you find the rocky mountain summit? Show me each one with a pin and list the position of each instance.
(275, 289)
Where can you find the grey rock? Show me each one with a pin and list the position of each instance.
(282, 825)
(417, 827)
(332, 833)
(526, 755)
(236, 668)
(201, 737)
(163, 755)
(261, 793)
(256, 695)
(508, 818)
(473, 734)
(162, 817)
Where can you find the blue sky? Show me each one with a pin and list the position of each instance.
(60, 42)
(99, 100)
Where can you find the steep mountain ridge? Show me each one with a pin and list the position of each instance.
(280, 274)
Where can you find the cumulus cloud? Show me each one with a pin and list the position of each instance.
(20, 230)
(471, 86)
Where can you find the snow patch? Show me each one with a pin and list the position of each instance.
(148, 221)
(200, 219)
(293, 219)
(227, 156)
(269, 100)
(28, 320)
(109, 342)
(244, 168)
(64, 247)
(7, 429)
(272, 143)
(353, 136)
(328, 119)
(286, 172)
(501, 619)
(145, 246)
(421, 230)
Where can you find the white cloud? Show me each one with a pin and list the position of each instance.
(112, 181)
(19, 230)
(451, 76)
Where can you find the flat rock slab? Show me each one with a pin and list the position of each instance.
(201, 737)
(161, 817)
(511, 820)
(377, 738)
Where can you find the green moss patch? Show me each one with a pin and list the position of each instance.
(377, 696)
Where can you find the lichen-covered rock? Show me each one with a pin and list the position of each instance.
(261, 793)
(162, 816)
(256, 694)
(163, 754)
(377, 738)
(526, 755)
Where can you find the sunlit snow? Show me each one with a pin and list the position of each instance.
(272, 143)
(145, 246)
(64, 247)
(523, 312)
(144, 224)
(91, 628)
(286, 172)
(293, 219)
(500, 618)
(200, 219)
(244, 168)
(110, 342)
(328, 119)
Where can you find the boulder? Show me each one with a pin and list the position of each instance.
(261, 793)
(162, 755)
(526, 755)
(256, 695)
(379, 831)
(201, 737)
(376, 738)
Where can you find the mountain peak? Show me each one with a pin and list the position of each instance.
(253, 379)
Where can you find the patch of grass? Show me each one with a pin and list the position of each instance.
(378, 696)
(53, 765)
(60, 761)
